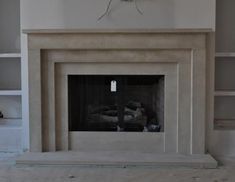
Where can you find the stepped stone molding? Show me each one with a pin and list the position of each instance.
(180, 55)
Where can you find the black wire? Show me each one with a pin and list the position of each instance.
(108, 7)
(137, 8)
(107, 10)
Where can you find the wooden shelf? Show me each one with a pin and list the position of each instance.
(10, 93)
(225, 54)
(225, 93)
(10, 55)
(224, 124)
(10, 123)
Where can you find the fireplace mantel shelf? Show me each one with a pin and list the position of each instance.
(113, 31)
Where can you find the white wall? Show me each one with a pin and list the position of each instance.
(45, 14)
(84, 14)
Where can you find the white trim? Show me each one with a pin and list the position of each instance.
(10, 92)
(225, 54)
(224, 93)
(10, 55)
(10, 123)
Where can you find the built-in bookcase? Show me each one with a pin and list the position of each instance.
(225, 66)
(10, 76)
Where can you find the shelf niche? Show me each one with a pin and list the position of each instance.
(225, 26)
(224, 74)
(224, 113)
(10, 74)
(10, 26)
(10, 106)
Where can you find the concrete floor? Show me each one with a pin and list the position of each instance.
(11, 173)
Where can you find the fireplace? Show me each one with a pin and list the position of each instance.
(117, 103)
(127, 93)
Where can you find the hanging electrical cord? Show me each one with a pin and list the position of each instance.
(109, 4)
(137, 8)
(106, 11)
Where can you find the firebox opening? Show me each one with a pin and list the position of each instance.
(131, 103)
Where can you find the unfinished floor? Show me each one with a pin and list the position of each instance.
(11, 173)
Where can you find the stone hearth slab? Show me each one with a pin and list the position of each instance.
(116, 159)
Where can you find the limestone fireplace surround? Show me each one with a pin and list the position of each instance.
(179, 55)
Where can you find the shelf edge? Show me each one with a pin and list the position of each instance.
(224, 93)
(10, 55)
(224, 54)
(10, 92)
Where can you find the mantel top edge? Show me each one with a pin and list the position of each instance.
(113, 31)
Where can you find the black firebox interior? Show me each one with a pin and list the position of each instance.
(132, 103)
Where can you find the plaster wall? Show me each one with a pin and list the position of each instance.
(84, 14)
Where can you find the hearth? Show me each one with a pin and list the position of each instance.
(131, 103)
